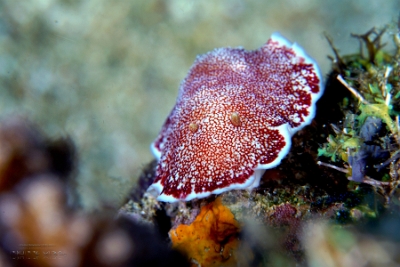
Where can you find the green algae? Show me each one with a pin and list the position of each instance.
(366, 149)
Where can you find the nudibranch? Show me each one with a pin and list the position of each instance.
(234, 117)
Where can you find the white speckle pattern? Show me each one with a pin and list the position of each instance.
(272, 89)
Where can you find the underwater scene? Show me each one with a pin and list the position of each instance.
(199, 133)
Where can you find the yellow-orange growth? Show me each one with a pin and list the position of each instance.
(212, 238)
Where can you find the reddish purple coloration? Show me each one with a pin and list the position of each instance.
(234, 117)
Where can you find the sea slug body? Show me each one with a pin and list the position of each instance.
(234, 117)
